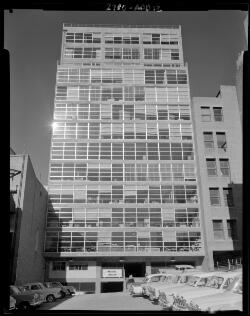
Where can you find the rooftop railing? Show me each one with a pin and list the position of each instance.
(121, 26)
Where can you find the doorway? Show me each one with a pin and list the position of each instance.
(107, 287)
(136, 269)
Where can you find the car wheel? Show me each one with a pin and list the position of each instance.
(24, 306)
(50, 298)
(63, 294)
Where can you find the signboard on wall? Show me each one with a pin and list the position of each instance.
(112, 273)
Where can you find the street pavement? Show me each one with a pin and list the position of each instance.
(103, 301)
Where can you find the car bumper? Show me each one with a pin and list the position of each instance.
(38, 303)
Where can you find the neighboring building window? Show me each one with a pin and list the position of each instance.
(208, 139)
(205, 114)
(218, 116)
(228, 196)
(231, 229)
(214, 196)
(58, 266)
(221, 140)
(211, 167)
(224, 167)
(218, 229)
(78, 266)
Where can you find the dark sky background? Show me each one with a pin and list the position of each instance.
(212, 41)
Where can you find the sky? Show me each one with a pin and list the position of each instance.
(211, 41)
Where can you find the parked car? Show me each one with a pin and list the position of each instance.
(69, 288)
(165, 279)
(25, 300)
(50, 294)
(185, 282)
(136, 288)
(220, 292)
(58, 285)
(12, 303)
(175, 281)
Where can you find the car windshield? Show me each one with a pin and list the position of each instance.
(15, 290)
(213, 282)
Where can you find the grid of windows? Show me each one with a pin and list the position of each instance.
(124, 75)
(77, 37)
(122, 217)
(80, 52)
(161, 54)
(132, 130)
(126, 112)
(127, 193)
(163, 39)
(115, 161)
(169, 76)
(121, 53)
(127, 93)
(121, 38)
(106, 241)
(124, 151)
(122, 172)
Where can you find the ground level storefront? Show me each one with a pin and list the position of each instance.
(109, 274)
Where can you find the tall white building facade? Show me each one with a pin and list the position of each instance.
(123, 185)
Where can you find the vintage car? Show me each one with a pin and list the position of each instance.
(12, 303)
(50, 294)
(164, 280)
(229, 299)
(57, 285)
(175, 281)
(70, 288)
(25, 300)
(136, 288)
(188, 281)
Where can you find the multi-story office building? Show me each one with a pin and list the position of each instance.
(218, 131)
(123, 185)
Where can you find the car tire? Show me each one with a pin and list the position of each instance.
(50, 298)
(24, 306)
(63, 294)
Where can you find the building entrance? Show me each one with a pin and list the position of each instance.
(111, 287)
(136, 269)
